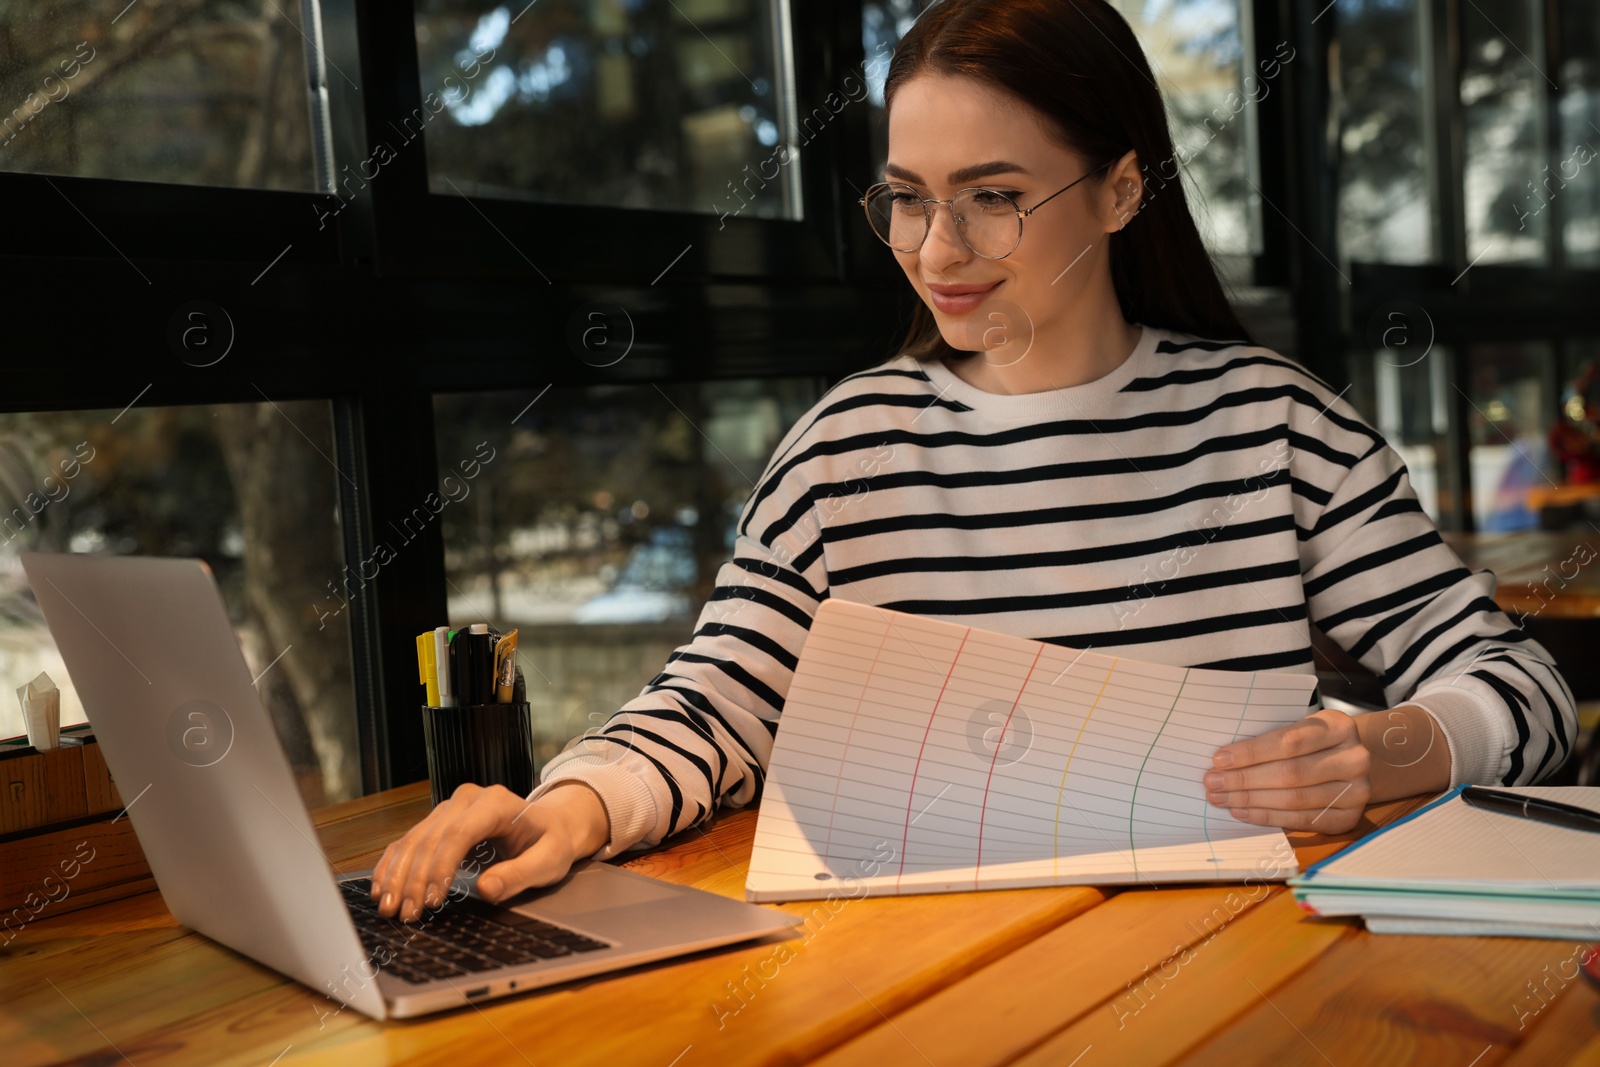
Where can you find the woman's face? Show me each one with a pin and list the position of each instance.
(948, 133)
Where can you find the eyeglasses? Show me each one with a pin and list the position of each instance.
(989, 221)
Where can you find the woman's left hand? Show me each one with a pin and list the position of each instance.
(1314, 774)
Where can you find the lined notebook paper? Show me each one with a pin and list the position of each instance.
(922, 756)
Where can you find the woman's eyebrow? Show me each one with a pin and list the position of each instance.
(962, 176)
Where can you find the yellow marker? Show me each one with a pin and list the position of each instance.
(428, 667)
(505, 667)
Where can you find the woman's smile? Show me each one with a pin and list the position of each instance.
(951, 300)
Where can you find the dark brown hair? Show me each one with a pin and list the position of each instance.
(1078, 63)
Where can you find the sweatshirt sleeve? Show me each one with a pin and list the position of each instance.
(1381, 582)
(700, 733)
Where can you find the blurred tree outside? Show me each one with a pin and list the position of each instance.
(1196, 51)
(1385, 204)
(194, 92)
(1503, 92)
(286, 494)
(600, 526)
(665, 106)
(199, 92)
(581, 480)
(238, 486)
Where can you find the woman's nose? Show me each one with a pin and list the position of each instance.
(944, 245)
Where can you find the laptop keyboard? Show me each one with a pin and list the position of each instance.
(464, 936)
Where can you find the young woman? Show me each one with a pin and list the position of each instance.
(1078, 444)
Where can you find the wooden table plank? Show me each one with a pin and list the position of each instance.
(88, 982)
(1106, 963)
(69, 980)
(1112, 959)
(1399, 999)
(130, 981)
(1267, 945)
(78, 1017)
(1566, 1033)
(785, 1002)
(884, 979)
(98, 997)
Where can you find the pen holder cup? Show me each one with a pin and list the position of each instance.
(486, 744)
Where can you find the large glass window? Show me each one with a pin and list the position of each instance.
(1577, 172)
(1412, 399)
(1385, 205)
(595, 523)
(1513, 405)
(1502, 95)
(248, 488)
(163, 90)
(685, 106)
(1532, 422)
(1529, 183)
(883, 23)
(1574, 440)
(1198, 50)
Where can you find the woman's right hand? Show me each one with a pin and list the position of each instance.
(538, 843)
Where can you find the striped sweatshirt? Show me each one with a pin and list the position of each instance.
(1202, 505)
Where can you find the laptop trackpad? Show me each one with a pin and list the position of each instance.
(595, 889)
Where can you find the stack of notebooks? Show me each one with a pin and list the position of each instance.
(1454, 868)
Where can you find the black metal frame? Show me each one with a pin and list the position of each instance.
(407, 294)
(1487, 303)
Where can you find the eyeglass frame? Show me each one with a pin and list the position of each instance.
(927, 212)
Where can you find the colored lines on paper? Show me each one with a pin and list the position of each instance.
(1133, 797)
(1205, 805)
(912, 792)
(855, 715)
(983, 810)
(990, 759)
(1067, 766)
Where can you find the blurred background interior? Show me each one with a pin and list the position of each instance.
(460, 310)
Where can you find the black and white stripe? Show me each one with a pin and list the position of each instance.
(1203, 505)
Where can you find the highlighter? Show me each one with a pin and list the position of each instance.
(427, 667)
(443, 663)
(505, 662)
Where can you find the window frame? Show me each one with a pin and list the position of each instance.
(443, 304)
(1466, 302)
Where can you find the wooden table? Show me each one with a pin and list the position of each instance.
(1220, 974)
(1539, 572)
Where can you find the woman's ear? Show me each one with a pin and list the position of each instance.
(1125, 192)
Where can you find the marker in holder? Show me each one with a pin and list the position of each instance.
(486, 744)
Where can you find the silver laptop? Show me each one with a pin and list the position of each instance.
(215, 807)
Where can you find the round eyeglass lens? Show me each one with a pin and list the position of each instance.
(985, 219)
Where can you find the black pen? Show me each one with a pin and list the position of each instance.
(477, 663)
(1551, 811)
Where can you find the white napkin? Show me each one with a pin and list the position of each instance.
(41, 712)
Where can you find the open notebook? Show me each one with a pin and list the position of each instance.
(920, 756)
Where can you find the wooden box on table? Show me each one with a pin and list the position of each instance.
(65, 840)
